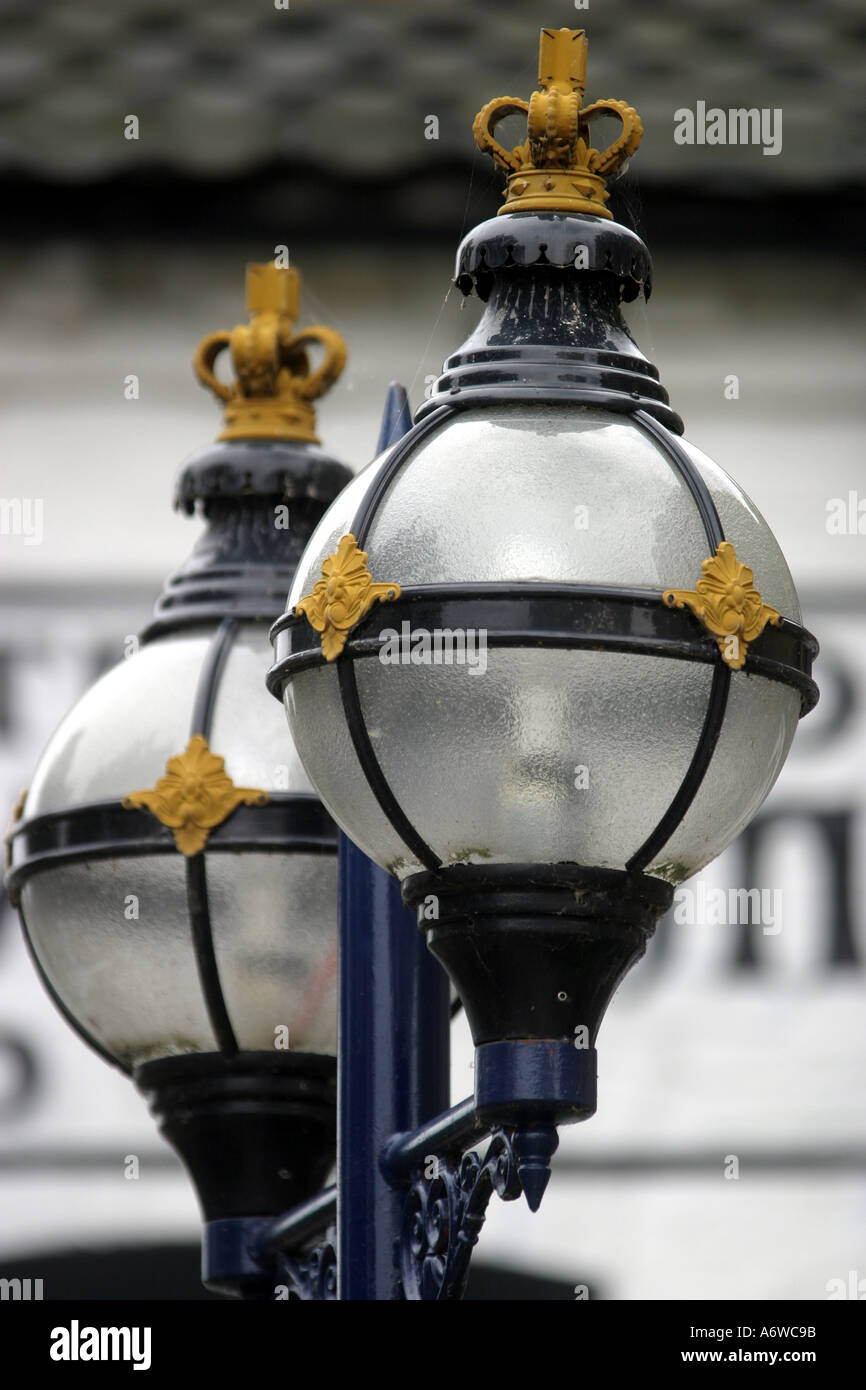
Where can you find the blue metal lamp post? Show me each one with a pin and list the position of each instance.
(528, 671)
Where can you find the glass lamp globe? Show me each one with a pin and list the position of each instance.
(116, 929)
(174, 869)
(543, 659)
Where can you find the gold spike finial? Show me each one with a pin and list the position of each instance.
(557, 169)
(272, 395)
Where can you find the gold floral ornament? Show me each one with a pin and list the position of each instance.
(343, 596)
(727, 603)
(557, 169)
(195, 795)
(275, 387)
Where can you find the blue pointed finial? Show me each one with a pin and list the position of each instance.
(396, 417)
(533, 1149)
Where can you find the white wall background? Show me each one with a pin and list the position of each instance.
(697, 1061)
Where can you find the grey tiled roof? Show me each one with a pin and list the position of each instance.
(223, 87)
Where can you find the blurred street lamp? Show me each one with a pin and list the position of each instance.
(542, 659)
(176, 873)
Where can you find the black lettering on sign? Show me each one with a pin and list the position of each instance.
(19, 1075)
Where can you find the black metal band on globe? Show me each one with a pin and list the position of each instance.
(197, 900)
(376, 779)
(547, 616)
(372, 769)
(402, 451)
(210, 676)
(594, 616)
(291, 821)
(701, 495)
(294, 821)
(204, 951)
(721, 683)
(695, 772)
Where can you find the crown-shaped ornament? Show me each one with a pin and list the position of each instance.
(274, 387)
(557, 169)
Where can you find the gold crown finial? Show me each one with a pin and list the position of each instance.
(557, 169)
(273, 289)
(272, 395)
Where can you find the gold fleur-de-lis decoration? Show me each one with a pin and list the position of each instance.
(727, 603)
(195, 794)
(557, 169)
(343, 596)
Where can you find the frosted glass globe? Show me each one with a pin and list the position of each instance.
(112, 935)
(547, 755)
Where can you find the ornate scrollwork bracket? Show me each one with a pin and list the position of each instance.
(448, 1186)
(310, 1276)
(447, 1202)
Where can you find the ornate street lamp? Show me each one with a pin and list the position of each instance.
(176, 874)
(542, 659)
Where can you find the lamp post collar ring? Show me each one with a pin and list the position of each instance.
(582, 244)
